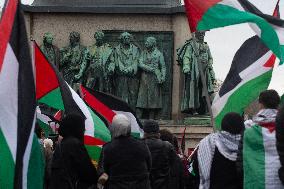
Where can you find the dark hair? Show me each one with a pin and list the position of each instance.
(269, 99)
(166, 135)
(233, 123)
(72, 125)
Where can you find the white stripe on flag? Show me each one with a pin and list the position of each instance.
(9, 99)
(89, 122)
(27, 155)
(272, 162)
(253, 71)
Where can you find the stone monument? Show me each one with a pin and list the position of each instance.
(51, 52)
(74, 60)
(99, 72)
(194, 57)
(126, 57)
(153, 75)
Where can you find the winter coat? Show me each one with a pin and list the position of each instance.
(127, 161)
(163, 156)
(71, 162)
(177, 174)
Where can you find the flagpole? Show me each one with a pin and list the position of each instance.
(204, 85)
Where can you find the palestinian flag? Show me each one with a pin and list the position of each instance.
(53, 91)
(108, 106)
(250, 73)
(22, 164)
(46, 123)
(210, 14)
(260, 158)
(251, 69)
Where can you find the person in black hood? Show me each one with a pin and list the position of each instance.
(71, 165)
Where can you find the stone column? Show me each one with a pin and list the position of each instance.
(181, 34)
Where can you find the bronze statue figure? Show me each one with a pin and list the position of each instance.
(74, 60)
(195, 56)
(99, 72)
(153, 75)
(126, 57)
(51, 52)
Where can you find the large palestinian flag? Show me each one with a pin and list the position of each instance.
(53, 91)
(260, 158)
(22, 164)
(250, 73)
(108, 106)
(209, 14)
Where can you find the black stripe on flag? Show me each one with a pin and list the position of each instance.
(114, 103)
(26, 92)
(250, 51)
(248, 6)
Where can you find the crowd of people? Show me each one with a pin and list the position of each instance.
(243, 154)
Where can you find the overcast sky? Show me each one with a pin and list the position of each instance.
(224, 43)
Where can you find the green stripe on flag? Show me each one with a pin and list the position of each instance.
(253, 158)
(53, 99)
(221, 15)
(7, 165)
(101, 130)
(243, 96)
(94, 152)
(46, 128)
(135, 135)
(35, 177)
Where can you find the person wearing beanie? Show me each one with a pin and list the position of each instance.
(163, 156)
(213, 165)
(71, 165)
(258, 160)
(125, 161)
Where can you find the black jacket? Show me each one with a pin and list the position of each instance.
(71, 160)
(163, 156)
(223, 172)
(127, 161)
(177, 174)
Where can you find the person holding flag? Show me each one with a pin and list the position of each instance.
(258, 159)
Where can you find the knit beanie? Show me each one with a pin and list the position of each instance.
(151, 126)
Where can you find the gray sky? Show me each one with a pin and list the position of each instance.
(224, 43)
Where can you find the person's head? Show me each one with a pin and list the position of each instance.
(120, 127)
(269, 99)
(99, 36)
(72, 125)
(151, 129)
(233, 123)
(48, 38)
(125, 38)
(166, 135)
(150, 43)
(74, 38)
(199, 35)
